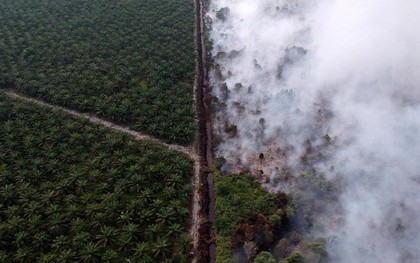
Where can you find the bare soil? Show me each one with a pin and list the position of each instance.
(205, 249)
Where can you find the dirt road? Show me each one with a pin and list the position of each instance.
(205, 249)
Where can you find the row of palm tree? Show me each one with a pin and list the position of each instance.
(71, 191)
(128, 61)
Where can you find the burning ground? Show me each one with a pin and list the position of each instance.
(320, 100)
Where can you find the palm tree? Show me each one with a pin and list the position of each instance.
(92, 209)
(57, 224)
(14, 223)
(113, 174)
(122, 184)
(50, 195)
(7, 192)
(59, 243)
(175, 229)
(34, 223)
(4, 258)
(110, 256)
(141, 249)
(73, 210)
(23, 255)
(136, 183)
(47, 258)
(125, 217)
(106, 237)
(26, 193)
(81, 239)
(174, 180)
(111, 209)
(153, 231)
(136, 206)
(184, 242)
(67, 256)
(146, 196)
(131, 230)
(77, 225)
(5, 236)
(65, 184)
(168, 192)
(32, 208)
(12, 210)
(100, 218)
(161, 248)
(21, 239)
(90, 253)
(87, 198)
(165, 216)
(125, 243)
(81, 186)
(40, 240)
(146, 215)
(67, 155)
(107, 197)
(95, 175)
(28, 140)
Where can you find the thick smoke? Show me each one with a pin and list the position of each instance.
(292, 76)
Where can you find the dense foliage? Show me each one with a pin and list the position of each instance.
(71, 191)
(294, 257)
(265, 257)
(252, 221)
(128, 61)
(237, 198)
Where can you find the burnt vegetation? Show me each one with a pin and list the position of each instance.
(252, 221)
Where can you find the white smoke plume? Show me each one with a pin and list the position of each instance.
(289, 72)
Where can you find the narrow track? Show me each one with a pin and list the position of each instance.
(112, 126)
(189, 151)
(205, 250)
(203, 207)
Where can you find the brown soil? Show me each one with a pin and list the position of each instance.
(205, 250)
(253, 235)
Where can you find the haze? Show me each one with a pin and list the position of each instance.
(296, 71)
